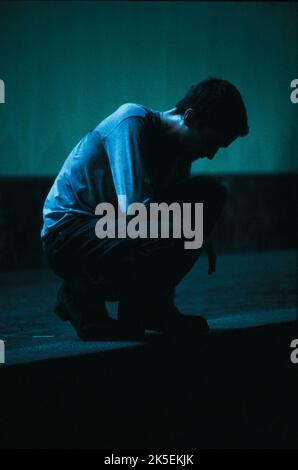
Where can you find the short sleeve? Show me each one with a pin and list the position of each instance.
(127, 149)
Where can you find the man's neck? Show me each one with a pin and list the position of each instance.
(170, 121)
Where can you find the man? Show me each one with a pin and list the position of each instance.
(145, 155)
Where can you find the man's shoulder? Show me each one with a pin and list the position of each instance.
(123, 113)
(132, 109)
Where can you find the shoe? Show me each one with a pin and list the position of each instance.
(172, 322)
(90, 320)
(168, 320)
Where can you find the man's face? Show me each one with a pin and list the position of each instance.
(199, 141)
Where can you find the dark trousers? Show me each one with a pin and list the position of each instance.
(132, 269)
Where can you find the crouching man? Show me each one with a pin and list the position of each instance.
(137, 155)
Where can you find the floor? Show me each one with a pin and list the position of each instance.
(234, 388)
(247, 290)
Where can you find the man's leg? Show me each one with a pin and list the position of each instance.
(154, 267)
(212, 193)
(132, 271)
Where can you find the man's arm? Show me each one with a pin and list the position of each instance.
(126, 147)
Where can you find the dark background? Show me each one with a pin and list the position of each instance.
(67, 65)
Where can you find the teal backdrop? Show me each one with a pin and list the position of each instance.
(67, 65)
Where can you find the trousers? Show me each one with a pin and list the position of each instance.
(123, 268)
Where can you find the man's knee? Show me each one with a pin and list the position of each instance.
(207, 189)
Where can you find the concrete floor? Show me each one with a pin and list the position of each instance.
(234, 388)
(247, 290)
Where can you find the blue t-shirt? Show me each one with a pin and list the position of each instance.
(125, 154)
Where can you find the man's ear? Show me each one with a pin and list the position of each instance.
(190, 118)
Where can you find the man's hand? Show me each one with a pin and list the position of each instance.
(209, 247)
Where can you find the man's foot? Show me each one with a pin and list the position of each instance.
(89, 318)
(172, 322)
(164, 318)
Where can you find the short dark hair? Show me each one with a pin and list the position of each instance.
(217, 103)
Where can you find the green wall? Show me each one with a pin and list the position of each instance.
(67, 65)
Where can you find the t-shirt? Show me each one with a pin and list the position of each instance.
(125, 154)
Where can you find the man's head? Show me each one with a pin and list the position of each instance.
(212, 115)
